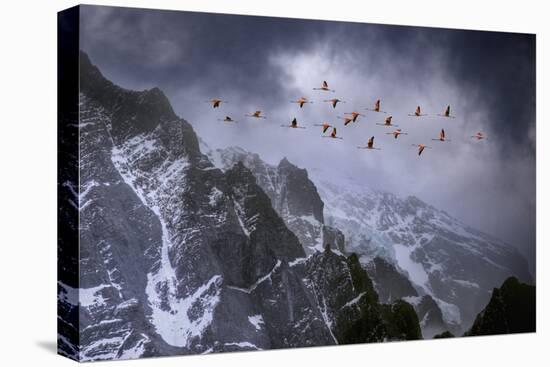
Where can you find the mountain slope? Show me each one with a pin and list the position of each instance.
(455, 264)
(293, 195)
(408, 247)
(180, 257)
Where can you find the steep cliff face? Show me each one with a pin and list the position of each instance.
(346, 297)
(349, 303)
(293, 195)
(171, 236)
(179, 257)
(390, 283)
(431, 315)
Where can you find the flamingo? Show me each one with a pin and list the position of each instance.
(301, 101)
(256, 114)
(347, 120)
(294, 125)
(447, 113)
(228, 119)
(215, 102)
(396, 133)
(421, 148)
(376, 107)
(479, 136)
(370, 145)
(387, 122)
(441, 136)
(354, 115)
(325, 126)
(334, 101)
(324, 87)
(333, 135)
(417, 112)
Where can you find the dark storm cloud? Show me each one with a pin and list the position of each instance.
(259, 62)
(227, 51)
(503, 64)
(220, 52)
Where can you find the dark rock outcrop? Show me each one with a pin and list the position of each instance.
(293, 195)
(444, 335)
(390, 284)
(401, 321)
(512, 309)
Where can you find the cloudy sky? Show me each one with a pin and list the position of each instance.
(259, 63)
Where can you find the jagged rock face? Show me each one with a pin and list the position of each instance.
(431, 317)
(349, 303)
(67, 254)
(455, 264)
(299, 195)
(334, 237)
(262, 227)
(401, 321)
(346, 297)
(293, 195)
(390, 284)
(432, 320)
(512, 309)
(288, 187)
(179, 257)
(161, 230)
(114, 237)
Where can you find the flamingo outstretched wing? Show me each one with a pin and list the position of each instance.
(370, 143)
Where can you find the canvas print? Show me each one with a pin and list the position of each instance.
(241, 183)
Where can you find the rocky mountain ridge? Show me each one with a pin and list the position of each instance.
(179, 257)
(409, 248)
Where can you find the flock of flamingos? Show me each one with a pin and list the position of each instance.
(351, 117)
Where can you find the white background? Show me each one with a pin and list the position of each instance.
(28, 182)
